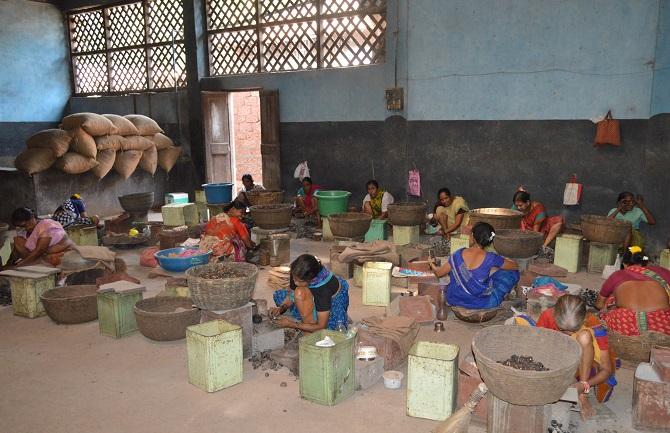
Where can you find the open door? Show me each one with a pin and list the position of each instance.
(216, 122)
(270, 139)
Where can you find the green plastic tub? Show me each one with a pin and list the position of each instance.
(332, 202)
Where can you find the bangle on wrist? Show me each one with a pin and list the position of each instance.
(587, 387)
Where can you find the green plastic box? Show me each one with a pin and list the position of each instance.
(432, 380)
(214, 351)
(377, 231)
(377, 283)
(116, 317)
(601, 255)
(568, 252)
(327, 374)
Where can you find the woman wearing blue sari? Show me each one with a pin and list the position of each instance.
(478, 279)
(317, 298)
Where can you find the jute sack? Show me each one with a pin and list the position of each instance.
(55, 139)
(75, 163)
(123, 126)
(105, 160)
(94, 124)
(167, 158)
(161, 141)
(126, 162)
(136, 142)
(144, 124)
(109, 142)
(34, 160)
(149, 160)
(83, 143)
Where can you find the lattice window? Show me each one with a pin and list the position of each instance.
(247, 36)
(130, 47)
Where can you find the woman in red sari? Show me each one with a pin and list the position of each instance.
(306, 202)
(226, 235)
(535, 218)
(641, 295)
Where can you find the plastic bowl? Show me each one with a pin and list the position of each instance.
(180, 264)
(392, 379)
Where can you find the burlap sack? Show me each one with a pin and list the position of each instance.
(74, 163)
(167, 158)
(34, 160)
(126, 162)
(55, 139)
(149, 160)
(136, 142)
(83, 143)
(123, 126)
(107, 142)
(144, 124)
(95, 124)
(161, 141)
(105, 160)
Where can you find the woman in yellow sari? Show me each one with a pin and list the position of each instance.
(377, 200)
(450, 212)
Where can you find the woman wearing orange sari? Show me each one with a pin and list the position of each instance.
(226, 235)
(535, 218)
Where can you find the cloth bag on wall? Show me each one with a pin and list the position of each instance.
(608, 131)
(414, 183)
(572, 193)
(301, 171)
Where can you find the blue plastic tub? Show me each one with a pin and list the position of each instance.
(180, 264)
(218, 193)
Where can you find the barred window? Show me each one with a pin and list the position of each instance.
(247, 36)
(127, 48)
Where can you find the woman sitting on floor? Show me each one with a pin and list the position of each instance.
(596, 367)
(248, 186)
(377, 200)
(635, 212)
(306, 202)
(73, 212)
(37, 239)
(641, 295)
(317, 298)
(226, 235)
(535, 218)
(478, 279)
(450, 212)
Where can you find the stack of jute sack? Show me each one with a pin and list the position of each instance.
(100, 143)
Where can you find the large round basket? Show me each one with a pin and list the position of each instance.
(349, 224)
(265, 197)
(222, 286)
(559, 353)
(637, 348)
(71, 304)
(407, 213)
(500, 218)
(516, 243)
(475, 316)
(272, 216)
(138, 202)
(598, 228)
(165, 318)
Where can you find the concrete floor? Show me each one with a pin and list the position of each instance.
(65, 378)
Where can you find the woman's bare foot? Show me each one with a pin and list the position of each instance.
(585, 408)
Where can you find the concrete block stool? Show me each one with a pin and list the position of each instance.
(115, 308)
(237, 316)
(403, 235)
(180, 214)
(27, 285)
(83, 235)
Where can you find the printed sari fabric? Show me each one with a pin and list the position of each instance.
(376, 203)
(308, 196)
(478, 288)
(538, 215)
(223, 235)
(69, 213)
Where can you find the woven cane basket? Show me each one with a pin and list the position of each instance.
(224, 293)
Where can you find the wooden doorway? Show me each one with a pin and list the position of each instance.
(216, 123)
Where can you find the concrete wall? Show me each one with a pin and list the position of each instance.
(661, 90)
(34, 76)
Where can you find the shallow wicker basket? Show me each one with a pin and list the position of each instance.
(474, 316)
(598, 228)
(500, 218)
(349, 224)
(272, 216)
(407, 213)
(71, 304)
(223, 293)
(516, 243)
(165, 318)
(558, 352)
(636, 349)
(265, 197)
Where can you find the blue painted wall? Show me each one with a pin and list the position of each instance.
(508, 59)
(660, 102)
(34, 72)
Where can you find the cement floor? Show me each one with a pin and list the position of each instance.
(65, 378)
